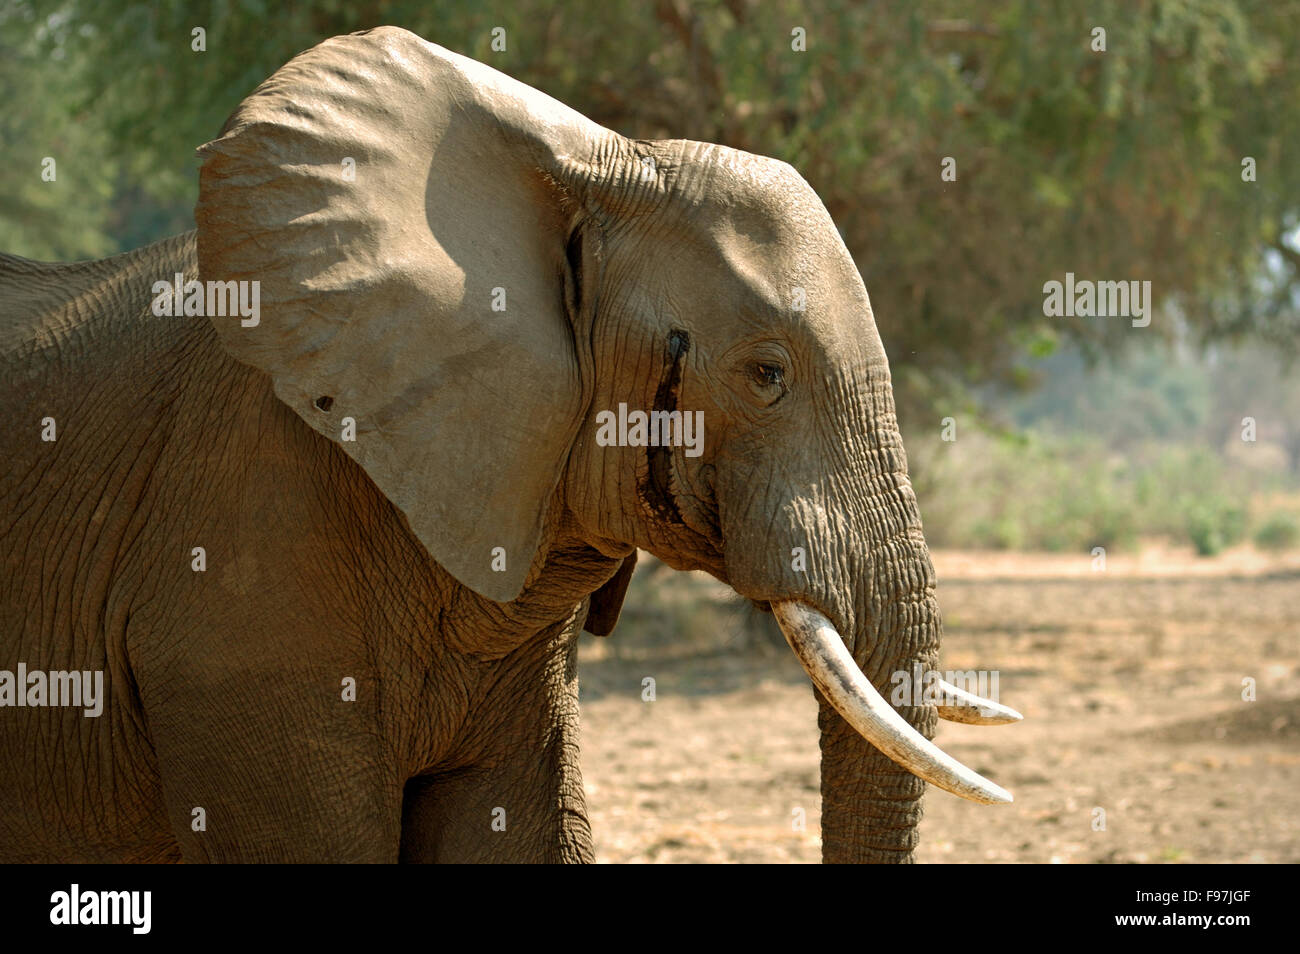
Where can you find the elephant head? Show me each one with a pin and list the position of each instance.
(493, 287)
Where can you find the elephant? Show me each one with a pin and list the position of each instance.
(322, 494)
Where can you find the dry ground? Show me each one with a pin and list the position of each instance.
(1130, 681)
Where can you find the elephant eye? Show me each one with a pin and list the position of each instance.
(769, 375)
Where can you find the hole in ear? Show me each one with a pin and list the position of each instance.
(324, 402)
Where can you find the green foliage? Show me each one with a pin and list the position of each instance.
(1149, 445)
(1213, 524)
(1279, 531)
(1151, 393)
(1040, 492)
(67, 217)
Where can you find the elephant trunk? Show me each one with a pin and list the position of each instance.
(871, 806)
(841, 683)
(881, 618)
(857, 608)
(871, 801)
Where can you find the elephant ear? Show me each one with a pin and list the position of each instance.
(410, 215)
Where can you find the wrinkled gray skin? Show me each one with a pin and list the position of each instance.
(656, 274)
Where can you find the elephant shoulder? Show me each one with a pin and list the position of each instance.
(42, 304)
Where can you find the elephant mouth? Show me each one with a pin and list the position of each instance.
(824, 656)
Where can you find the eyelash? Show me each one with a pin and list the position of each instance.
(770, 375)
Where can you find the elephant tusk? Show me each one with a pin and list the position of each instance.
(958, 705)
(824, 656)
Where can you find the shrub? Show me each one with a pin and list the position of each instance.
(1213, 524)
(1281, 531)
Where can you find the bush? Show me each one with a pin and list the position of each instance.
(1040, 491)
(1281, 531)
(1203, 531)
(1213, 525)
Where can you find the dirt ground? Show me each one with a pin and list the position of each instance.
(1130, 681)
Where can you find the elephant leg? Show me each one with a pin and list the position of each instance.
(520, 800)
(302, 780)
(266, 813)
